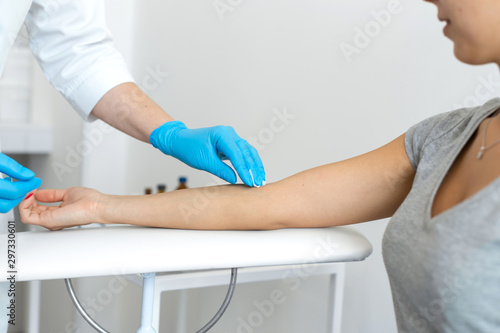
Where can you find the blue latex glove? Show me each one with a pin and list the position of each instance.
(11, 193)
(204, 148)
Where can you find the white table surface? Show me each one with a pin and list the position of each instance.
(127, 249)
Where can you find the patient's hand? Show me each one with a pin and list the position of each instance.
(78, 207)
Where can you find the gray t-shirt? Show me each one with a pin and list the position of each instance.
(445, 271)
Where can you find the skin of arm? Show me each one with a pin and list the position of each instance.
(127, 108)
(364, 188)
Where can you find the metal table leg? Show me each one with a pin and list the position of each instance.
(148, 298)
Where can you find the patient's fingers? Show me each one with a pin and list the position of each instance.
(29, 210)
(28, 200)
(75, 208)
(51, 195)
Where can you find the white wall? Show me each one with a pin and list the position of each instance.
(238, 68)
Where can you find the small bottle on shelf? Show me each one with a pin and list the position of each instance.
(162, 188)
(182, 183)
(148, 190)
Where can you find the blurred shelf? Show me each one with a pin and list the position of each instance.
(26, 139)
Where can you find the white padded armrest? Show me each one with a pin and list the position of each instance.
(128, 250)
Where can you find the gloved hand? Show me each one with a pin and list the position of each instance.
(11, 193)
(204, 148)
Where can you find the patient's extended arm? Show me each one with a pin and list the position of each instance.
(364, 188)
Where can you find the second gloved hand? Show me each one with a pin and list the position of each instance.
(203, 149)
(11, 193)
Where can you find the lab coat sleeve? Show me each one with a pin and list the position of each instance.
(12, 14)
(75, 50)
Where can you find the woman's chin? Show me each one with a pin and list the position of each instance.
(471, 58)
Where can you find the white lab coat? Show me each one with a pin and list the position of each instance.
(72, 45)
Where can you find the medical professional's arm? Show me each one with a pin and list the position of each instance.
(364, 188)
(127, 108)
(130, 110)
(75, 50)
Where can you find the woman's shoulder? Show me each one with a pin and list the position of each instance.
(438, 126)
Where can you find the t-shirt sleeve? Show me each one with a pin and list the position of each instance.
(75, 50)
(428, 130)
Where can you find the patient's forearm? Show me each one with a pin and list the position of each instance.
(217, 207)
(364, 188)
